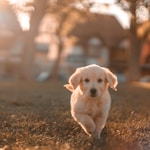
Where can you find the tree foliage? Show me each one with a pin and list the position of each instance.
(133, 6)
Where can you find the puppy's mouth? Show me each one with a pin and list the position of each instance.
(93, 95)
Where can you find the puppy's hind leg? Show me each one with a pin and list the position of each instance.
(86, 122)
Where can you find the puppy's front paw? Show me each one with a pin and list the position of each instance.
(96, 136)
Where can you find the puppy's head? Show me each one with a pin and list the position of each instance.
(92, 80)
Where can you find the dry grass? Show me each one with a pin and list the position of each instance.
(37, 116)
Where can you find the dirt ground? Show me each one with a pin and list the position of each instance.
(36, 116)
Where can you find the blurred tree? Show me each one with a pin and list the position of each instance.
(65, 14)
(27, 66)
(135, 43)
(134, 67)
(36, 10)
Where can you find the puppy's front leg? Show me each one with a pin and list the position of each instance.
(100, 124)
(86, 122)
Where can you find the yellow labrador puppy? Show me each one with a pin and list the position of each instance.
(90, 100)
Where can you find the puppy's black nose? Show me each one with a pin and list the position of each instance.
(93, 91)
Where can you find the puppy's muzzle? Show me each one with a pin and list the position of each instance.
(93, 92)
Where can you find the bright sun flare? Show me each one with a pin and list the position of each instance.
(19, 2)
(24, 21)
(22, 17)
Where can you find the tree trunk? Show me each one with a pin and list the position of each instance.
(55, 70)
(28, 57)
(134, 66)
(134, 55)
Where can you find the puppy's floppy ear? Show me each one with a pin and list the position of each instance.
(74, 81)
(111, 78)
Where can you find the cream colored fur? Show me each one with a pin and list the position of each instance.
(90, 99)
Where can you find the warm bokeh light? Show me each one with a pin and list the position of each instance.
(109, 7)
(105, 1)
(19, 2)
(122, 16)
(24, 21)
(22, 17)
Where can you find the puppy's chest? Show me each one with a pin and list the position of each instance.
(91, 107)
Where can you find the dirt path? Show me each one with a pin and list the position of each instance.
(37, 116)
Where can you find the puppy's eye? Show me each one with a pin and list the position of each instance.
(99, 80)
(87, 80)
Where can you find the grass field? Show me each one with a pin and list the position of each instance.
(37, 116)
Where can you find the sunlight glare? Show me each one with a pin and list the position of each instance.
(19, 2)
(105, 1)
(23, 17)
(24, 21)
(122, 16)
